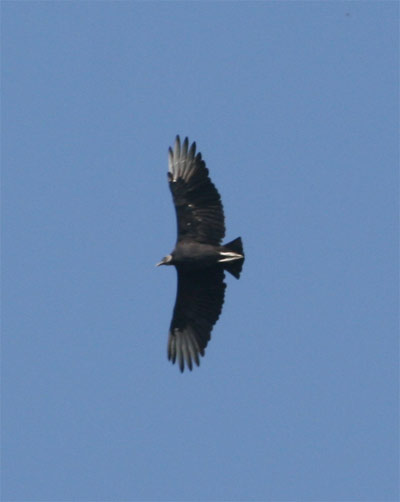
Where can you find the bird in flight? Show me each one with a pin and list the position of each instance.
(199, 257)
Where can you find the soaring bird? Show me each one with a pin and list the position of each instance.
(199, 257)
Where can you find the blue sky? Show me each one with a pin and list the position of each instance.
(294, 106)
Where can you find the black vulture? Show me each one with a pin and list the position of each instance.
(199, 257)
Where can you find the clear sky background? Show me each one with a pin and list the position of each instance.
(294, 107)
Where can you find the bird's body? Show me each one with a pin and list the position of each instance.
(199, 257)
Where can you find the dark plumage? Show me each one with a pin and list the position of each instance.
(199, 258)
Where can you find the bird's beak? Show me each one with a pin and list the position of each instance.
(164, 261)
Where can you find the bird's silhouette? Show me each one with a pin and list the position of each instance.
(199, 257)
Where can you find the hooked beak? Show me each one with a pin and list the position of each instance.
(164, 261)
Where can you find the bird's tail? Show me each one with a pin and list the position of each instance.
(235, 264)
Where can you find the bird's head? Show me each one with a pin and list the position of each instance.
(167, 260)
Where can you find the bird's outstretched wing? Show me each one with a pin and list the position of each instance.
(199, 301)
(199, 211)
